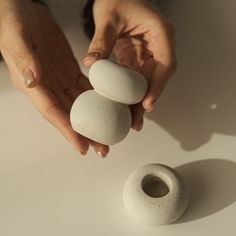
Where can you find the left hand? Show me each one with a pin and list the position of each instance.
(31, 41)
(141, 39)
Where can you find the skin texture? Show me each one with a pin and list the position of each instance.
(42, 65)
(141, 38)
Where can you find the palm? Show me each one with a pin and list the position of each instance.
(141, 38)
(132, 51)
(62, 80)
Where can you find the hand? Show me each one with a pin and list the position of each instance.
(42, 65)
(141, 39)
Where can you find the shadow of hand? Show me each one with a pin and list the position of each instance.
(200, 100)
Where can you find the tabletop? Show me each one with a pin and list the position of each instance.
(48, 188)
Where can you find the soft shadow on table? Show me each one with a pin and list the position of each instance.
(200, 100)
(211, 185)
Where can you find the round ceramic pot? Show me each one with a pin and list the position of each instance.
(155, 195)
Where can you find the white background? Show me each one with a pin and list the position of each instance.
(47, 188)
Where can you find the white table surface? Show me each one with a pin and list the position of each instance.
(47, 188)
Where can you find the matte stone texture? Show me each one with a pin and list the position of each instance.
(99, 118)
(117, 82)
(155, 195)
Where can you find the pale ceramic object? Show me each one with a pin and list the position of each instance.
(117, 82)
(99, 118)
(155, 195)
(103, 114)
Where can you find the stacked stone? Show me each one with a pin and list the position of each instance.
(103, 114)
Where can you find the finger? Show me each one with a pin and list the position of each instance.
(102, 43)
(73, 91)
(83, 83)
(17, 44)
(67, 98)
(53, 112)
(159, 79)
(163, 47)
(60, 119)
(65, 101)
(128, 51)
(101, 149)
(137, 112)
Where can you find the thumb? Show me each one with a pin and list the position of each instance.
(24, 57)
(102, 44)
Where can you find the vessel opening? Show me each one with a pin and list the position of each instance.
(154, 186)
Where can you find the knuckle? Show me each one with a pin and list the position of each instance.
(99, 44)
(99, 47)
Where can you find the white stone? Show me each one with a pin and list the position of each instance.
(99, 118)
(117, 82)
(155, 195)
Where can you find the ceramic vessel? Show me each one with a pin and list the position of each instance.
(117, 82)
(102, 114)
(155, 195)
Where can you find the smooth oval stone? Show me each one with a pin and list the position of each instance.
(155, 194)
(99, 118)
(117, 82)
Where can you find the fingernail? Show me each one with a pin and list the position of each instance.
(101, 154)
(29, 78)
(151, 106)
(83, 153)
(95, 55)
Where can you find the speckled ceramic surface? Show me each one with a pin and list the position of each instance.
(49, 189)
(155, 194)
(117, 82)
(99, 118)
(103, 114)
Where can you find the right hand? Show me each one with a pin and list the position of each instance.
(142, 39)
(42, 65)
